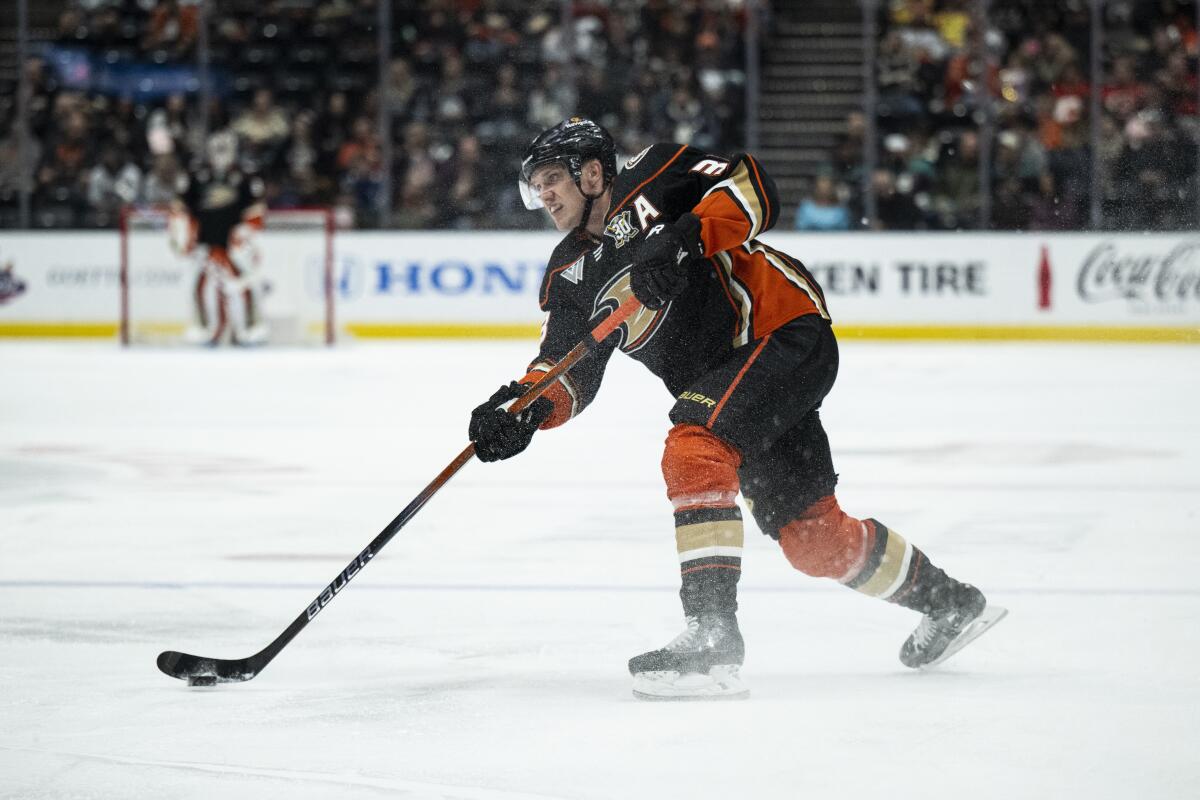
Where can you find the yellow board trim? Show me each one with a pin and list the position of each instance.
(438, 330)
(1017, 333)
(92, 330)
(1047, 333)
(450, 330)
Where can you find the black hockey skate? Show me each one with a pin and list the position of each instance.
(948, 628)
(702, 663)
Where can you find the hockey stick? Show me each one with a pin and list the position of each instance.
(201, 671)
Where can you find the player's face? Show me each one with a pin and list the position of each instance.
(559, 194)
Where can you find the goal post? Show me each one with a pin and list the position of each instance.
(288, 266)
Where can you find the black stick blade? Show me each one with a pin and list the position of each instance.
(199, 671)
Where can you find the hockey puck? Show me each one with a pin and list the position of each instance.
(202, 680)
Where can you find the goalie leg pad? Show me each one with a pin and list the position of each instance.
(201, 298)
(239, 292)
(210, 308)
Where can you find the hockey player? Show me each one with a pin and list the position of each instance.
(740, 334)
(215, 219)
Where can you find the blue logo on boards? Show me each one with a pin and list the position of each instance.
(354, 278)
(452, 278)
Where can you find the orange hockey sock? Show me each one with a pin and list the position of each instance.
(865, 554)
(702, 483)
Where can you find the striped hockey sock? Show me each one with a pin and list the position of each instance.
(896, 571)
(710, 542)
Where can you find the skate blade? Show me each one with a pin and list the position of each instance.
(979, 626)
(721, 683)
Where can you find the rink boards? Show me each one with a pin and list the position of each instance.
(887, 286)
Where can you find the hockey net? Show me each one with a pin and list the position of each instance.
(288, 265)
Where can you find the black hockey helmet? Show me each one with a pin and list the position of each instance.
(571, 142)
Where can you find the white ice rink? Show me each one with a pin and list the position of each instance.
(155, 500)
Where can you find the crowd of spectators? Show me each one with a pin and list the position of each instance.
(296, 91)
(948, 77)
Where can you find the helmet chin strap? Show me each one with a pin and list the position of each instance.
(581, 229)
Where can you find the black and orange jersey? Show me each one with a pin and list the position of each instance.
(219, 202)
(741, 290)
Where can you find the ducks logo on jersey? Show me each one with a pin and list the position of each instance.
(640, 328)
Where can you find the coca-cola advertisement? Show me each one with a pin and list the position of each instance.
(1149, 280)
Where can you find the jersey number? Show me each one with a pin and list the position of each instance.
(710, 166)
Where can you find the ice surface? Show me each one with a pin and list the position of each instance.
(198, 501)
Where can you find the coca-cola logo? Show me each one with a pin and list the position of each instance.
(1145, 278)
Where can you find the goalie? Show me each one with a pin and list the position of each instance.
(215, 220)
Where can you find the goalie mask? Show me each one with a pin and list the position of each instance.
(572, 143)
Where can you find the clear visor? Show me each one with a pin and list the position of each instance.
(552, 172)
(531, 198)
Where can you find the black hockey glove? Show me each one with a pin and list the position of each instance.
(663, 263)
(498, 434)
